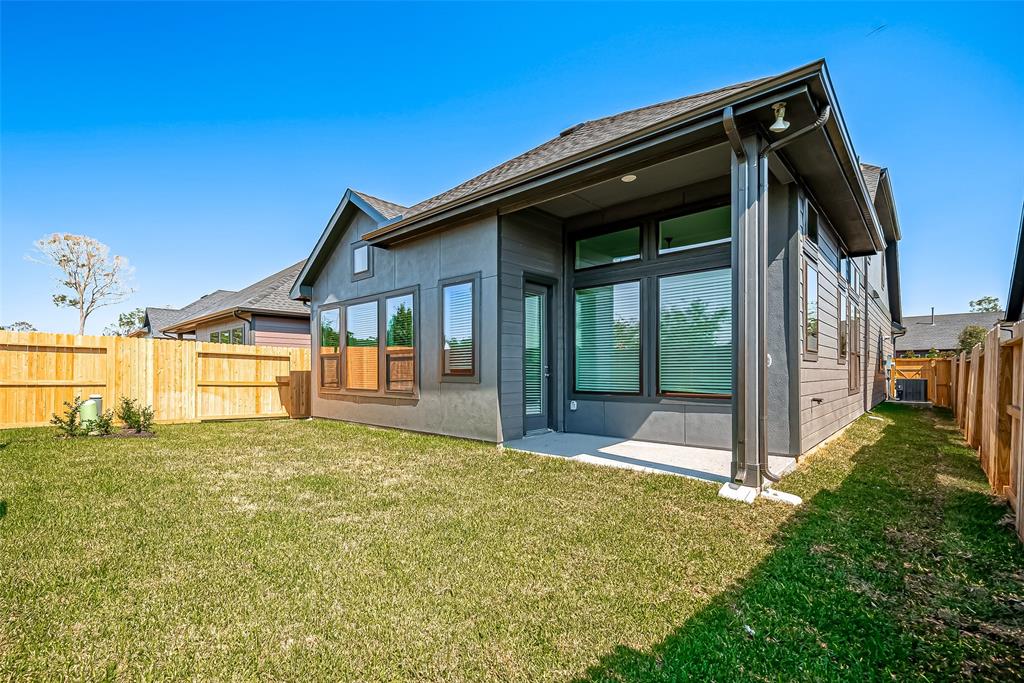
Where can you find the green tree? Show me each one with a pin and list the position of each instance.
(986, 304)
(969, 336)
(126, 323)
(19, 326)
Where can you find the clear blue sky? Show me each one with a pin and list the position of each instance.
(209, 143)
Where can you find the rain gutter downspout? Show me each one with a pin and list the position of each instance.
(762, 284)
(234, 313)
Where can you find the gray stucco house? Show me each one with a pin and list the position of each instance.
(680, 273)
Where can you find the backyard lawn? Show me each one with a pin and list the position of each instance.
(321, 550)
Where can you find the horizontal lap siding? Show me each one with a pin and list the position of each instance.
(275, 331)
(826, 378)
(530, 243)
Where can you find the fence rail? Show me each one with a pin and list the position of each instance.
(184, 381)
(989, 395)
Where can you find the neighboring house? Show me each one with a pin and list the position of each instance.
(1015, 299)
(940, 332)
(262, 313)
(607, 282)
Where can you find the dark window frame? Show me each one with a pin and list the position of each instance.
(321, 387)
(475, 280)
(809, 353)
(364, 274)
(382, 390)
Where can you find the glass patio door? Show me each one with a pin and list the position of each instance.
(536, 358)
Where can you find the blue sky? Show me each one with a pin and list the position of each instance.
(209, 143)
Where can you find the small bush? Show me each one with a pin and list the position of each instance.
(134, 415)
(71, 423)
(103, 424)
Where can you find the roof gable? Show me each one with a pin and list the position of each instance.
(379, 210)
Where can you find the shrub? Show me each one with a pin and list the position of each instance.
(970, 336)
(134, 415)
(71, 423)
(103, 424)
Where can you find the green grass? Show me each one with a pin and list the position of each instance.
(320, 550)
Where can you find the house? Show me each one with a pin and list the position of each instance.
(1015, 299)
(262, 313)
(940, 332)
(680, 273)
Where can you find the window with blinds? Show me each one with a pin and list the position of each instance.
(844, 326)
(533, 353)
(458, 343)
(607, 353)
(695, 333)
(330, 346)
(400, 349)
(361, 346)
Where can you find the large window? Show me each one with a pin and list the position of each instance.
(810, 310)
(608, 338)
(234, 335)
(693, 230)
(361, 266)
(458, 319)
(330, 348)
(612, 247)
(361, 352)
(695, 333)
(400, 347)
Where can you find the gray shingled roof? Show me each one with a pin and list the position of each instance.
(269, 294)
(386, 208)
(922, 335)
(872, 175)
(580, 138)
(159, 318)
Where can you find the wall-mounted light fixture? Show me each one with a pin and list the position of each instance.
(781, 124)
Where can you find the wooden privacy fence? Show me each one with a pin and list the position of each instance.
(938, 372)
(184, 381)
(988, 388)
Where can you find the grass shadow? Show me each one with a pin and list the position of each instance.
(901, 571)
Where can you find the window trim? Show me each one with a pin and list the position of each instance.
(381, 391)
(842, 324)
(363, 274)
(811, 354)
(854, 371)
(657, 338)
(474, 279)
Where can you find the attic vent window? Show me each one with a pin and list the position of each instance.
(570, 130)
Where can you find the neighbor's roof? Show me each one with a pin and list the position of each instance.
(159, 318)
(269, 295)
(922, 335)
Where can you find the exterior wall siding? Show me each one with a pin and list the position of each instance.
(531, 244)
(276, 331)
(462, 409)
(826, 403)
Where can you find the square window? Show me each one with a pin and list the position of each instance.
(361, 260)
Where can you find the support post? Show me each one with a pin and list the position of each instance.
(749, 239)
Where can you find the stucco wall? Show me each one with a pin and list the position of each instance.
(457, 409)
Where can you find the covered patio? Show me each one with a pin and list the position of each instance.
(706, 464)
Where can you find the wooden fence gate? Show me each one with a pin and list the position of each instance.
(184, 381)
(938, 372)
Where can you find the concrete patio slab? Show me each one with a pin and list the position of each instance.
(707, 464)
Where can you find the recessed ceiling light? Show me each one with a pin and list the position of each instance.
(628, 178)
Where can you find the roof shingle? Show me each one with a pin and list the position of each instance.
(922, 335)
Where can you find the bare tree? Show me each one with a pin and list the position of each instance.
(94, 277)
